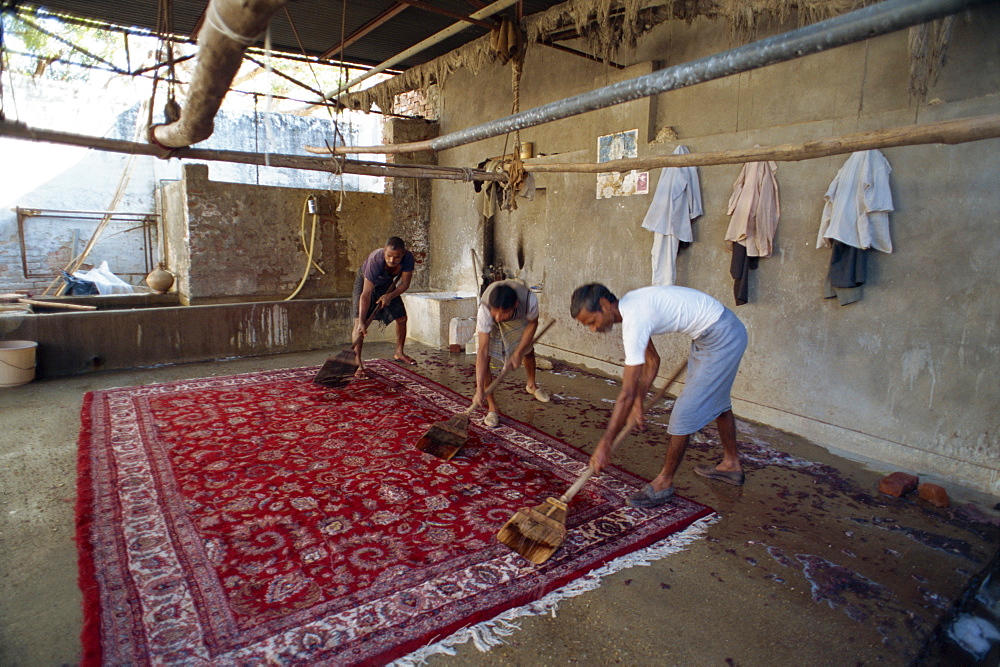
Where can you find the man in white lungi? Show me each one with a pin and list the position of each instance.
(506, 324)
(718, 340)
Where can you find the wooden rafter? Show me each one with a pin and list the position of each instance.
(582, 54)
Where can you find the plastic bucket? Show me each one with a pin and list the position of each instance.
(17, 362)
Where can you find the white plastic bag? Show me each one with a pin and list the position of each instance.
(106, 281)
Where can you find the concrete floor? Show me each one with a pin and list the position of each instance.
(806, 565)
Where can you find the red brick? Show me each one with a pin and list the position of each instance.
(898, 484)
(934, 494)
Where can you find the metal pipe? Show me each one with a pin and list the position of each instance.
(885, 17)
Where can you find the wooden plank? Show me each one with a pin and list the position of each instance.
(52, 304)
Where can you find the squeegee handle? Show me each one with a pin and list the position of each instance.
(506, 369)
(622, 434)
(378, 307)
(577, 485)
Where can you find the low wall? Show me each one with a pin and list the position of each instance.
(73, 343)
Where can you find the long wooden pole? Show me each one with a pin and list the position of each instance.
(946, 132)
(16, 130)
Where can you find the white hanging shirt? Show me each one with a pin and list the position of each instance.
(858, 203)
(676, 202)
(662, 309)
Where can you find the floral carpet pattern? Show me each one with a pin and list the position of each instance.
(261, 518)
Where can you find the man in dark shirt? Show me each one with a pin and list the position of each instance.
(375, 292)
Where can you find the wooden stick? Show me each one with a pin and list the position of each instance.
(14, 296)
(503, 372)
(946, 132)
(622, 434)
(52, 304)
(18, 130)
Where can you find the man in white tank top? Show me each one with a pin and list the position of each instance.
(718, 340)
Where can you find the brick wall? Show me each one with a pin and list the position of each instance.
(418, 103)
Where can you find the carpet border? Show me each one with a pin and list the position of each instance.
(90, 634)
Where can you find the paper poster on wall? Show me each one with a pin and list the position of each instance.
(618, 184)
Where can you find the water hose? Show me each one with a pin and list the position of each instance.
(311, 206)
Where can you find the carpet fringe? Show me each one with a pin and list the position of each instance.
(488, 634)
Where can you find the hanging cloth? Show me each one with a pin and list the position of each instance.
(858, 203)
(676, 202)
(855, 220)
(848, 272)
(755, 210)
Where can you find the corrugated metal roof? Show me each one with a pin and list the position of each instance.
(321, 25)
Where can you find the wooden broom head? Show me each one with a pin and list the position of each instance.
(536, 533)
(338, 370)
(441, 442)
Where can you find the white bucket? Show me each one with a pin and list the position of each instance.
(17, 362)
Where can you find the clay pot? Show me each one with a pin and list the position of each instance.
(159, 279)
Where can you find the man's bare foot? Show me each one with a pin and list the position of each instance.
(360, 374)
(406, 359)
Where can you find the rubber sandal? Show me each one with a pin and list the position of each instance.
(734, 477)
(647, 497)
(492, 420)
(539, 394)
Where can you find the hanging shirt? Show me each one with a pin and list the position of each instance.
(858, 203)
(755, 209)
(662, 309)
(677, 201)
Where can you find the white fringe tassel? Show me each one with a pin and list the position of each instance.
(491, 633)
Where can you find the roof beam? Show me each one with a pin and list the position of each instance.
(374, 23)
(566, 49)
(444, 12)
(456, 28)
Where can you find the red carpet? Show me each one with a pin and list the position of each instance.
(261, 518)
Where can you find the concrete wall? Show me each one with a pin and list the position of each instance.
(905, 376)
(71, 343)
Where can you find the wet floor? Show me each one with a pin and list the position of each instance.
(806, 563)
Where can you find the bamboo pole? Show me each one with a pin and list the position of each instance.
(945, 132)
(16, 130)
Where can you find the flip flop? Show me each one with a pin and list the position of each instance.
(647, 497)
(735, 477)
(492, 420)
